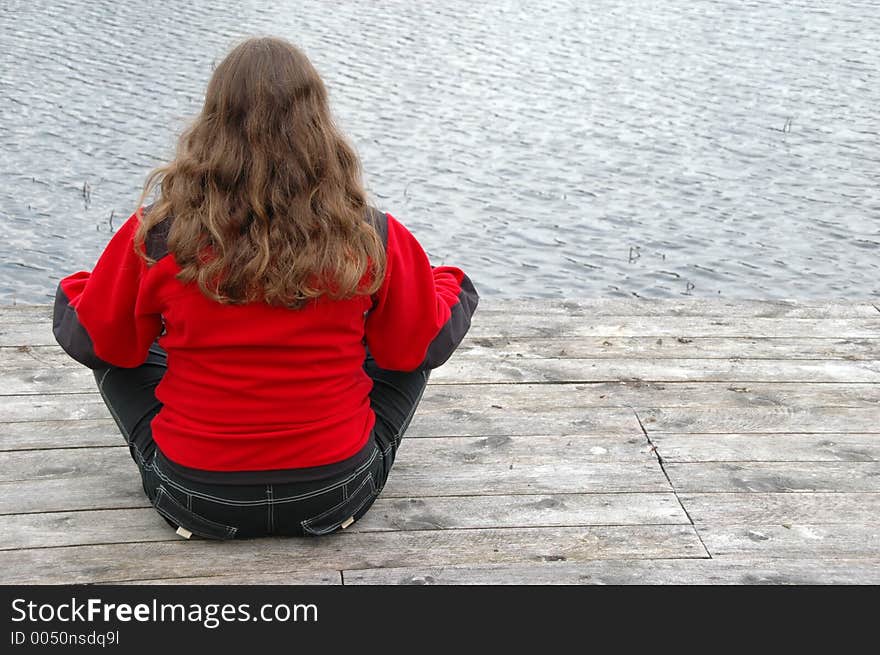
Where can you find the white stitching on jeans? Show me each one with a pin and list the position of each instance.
(162, 492)
(412, 412)
(113, 413)
(307, 523)
(271, 509)
(360, 469)
(101, 381)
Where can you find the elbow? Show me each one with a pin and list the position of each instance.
(71, 335)
(456, 327)
(396, 361)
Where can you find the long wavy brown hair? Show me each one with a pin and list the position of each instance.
(264, 195)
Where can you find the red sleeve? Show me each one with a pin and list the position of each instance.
(421, 313)
(100, 318)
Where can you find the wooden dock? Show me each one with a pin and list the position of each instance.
(606, 441)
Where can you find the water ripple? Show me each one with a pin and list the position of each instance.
(552, 149)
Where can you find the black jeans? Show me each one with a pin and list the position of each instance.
(223, 511)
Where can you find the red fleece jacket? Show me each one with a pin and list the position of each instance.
(254, 387)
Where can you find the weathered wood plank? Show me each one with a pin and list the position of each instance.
(57, 421)
(355, 550)
(775, 476)
(527, 399)
(503, 399)
(778, 447)
(548, 325)
(106, 478)
(561, 420)
(552, 326)
(760, 419)
(304, 577)
(26, 314)
(679, 307)
(782, 508)
(455, 451)
(415, 478)
(443, 403)
(53, 529)
(105, 526)
(61, 380)
(20, 334)
(787, 348)
(644, 349)
(529, 449)
(523, 451)
(618, 572)
(796, 541)
(69, 479)
(25, 379)
(482, 349)
(560, 510)
(602, 307)
(458, 370)
(32, 435)
(50, 407)
(627, 393)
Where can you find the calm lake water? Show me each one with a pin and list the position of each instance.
(552, 148)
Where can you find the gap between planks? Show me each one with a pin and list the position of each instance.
(656, 453)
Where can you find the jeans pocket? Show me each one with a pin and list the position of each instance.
(345, 513)
(169, 507)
